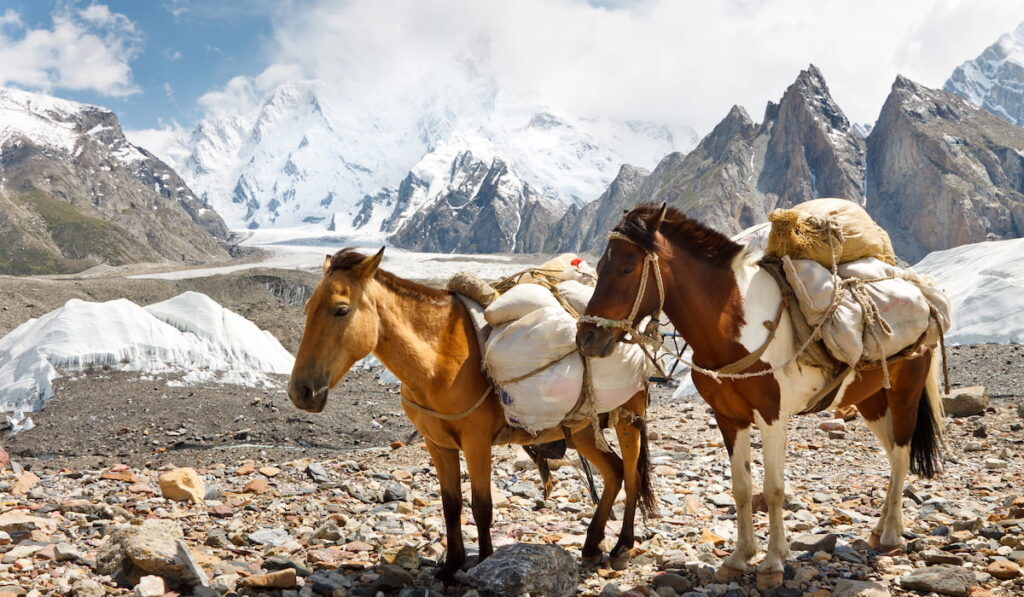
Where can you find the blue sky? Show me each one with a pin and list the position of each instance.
(183, 49)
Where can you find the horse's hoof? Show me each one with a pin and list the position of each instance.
(769, 580)
(619, 562)
(591, 561)
(446, 574)
(874, 539)
(728, 574)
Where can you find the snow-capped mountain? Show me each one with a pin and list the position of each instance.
(306, 157)
(74, 192)
(995, 79)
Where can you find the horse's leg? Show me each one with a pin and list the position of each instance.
(903, 400)
(877, 415)
(773, 436)
(541, 461)
(478, 463)
(632, 434)
(610, 467)
(738, 445)
(446, 461)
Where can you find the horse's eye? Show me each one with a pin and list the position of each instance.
(628, 269)
(341, 311)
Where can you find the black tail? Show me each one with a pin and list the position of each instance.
(926, 444)
(646, 500)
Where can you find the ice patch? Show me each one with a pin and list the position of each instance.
(189, 333)
(985, 285)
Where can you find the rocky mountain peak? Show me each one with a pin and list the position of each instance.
(941, 173)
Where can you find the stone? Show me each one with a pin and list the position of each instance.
(966, 402)
(270, 471)
(1003, 569)
(5, 458)
(935, 556)
(329, 531)
(405, 557)
(858, 588)
(947, 580)
(274, 537)
(87, 587)
(25, 482)
(150, 586)
(152, 548)
(526, 568)
(317, 473)
(282, 579)
(833, 425)
(257, 486)
(15, 521)
(182, 485)
(815, 543)
(995, 464)
(395, 493)
(283, 562)
(676, 582)
(610, 590)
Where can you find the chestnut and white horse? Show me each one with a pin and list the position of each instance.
(720, 300)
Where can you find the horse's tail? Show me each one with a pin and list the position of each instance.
(926, 443)
(646, 499)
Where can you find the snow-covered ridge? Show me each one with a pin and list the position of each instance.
(995, 79)
(189, 333)
(305, 157)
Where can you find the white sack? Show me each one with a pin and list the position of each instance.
(576, 293)
(542, 400)
(519, 301)
(618, 376)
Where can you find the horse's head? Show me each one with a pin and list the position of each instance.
(627, 287)
(341, 328)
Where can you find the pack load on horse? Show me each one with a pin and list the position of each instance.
(429, 339)
(752, 357)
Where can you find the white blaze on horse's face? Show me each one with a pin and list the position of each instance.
(341, 328)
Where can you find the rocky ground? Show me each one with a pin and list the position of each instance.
(329, 520)
(345, 502)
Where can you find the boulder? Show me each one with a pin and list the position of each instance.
(945, 580)
(815, 543)
(526, 568)
(966, 402)
(150, 586)
(182, 485)
(152, 548)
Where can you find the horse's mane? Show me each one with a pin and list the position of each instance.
(347, 258)
(699, 240)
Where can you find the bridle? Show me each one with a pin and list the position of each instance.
(650, 335)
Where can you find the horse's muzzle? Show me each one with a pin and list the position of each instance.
(304, 397)
(594, 341)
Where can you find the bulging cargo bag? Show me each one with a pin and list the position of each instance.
(532, 358)
(822, 228)
(871, 310)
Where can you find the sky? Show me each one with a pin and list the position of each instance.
(162, 65)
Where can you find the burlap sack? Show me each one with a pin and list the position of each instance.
(803, 233)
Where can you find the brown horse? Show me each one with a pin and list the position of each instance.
(426, 338)
(719, 298)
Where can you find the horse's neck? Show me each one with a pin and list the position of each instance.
(705, 304)
(417, 338)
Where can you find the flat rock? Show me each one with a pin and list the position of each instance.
(274, 537)
(282, 579)
(131, 552)
(946, 580)
(150, 586)
(526, 568)
(1003, 569)
(815, 543)
(966, 402)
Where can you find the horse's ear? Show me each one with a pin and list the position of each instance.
(368, 266)
(327, 264)
(656, 225)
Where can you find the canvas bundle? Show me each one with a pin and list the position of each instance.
(888, 310)
(531, 355)
(821, 228)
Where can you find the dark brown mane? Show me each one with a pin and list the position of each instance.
(348, 258)
(699, 240)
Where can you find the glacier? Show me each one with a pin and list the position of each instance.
(190, 333)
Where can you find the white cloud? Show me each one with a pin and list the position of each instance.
(164, 142)
(11, 18)
(86, 49)
(657, 60)
(172, 54)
